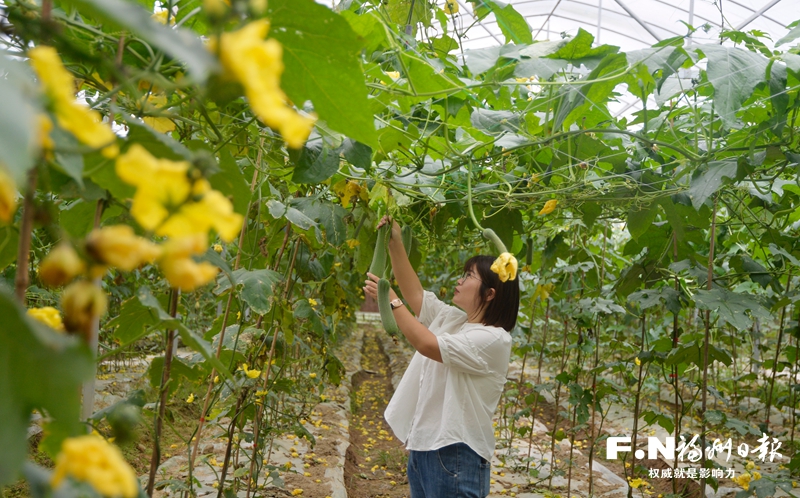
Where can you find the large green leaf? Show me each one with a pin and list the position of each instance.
(708, 182)
(734, 74)
(315, 162)
(320, 52)
(178, 43)
(18, 124)
(257, 287)
(640, 218)
(732, 307)
(792, 35)
(133, 322)
(511, 23)
(580, 47)
(39, 369)
(593, 95)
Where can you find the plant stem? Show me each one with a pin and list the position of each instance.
(777, 354)
(22, 278)
(706, 342)
(155, 458)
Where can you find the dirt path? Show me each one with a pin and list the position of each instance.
(376, 461)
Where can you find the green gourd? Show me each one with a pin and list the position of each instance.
(489, 234)
(378, 266)
(387, 315)
(408, 236)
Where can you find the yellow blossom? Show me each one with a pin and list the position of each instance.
(312, 301)
(549, 207)
(60, 266)
(451, 7)
(84, 123)
(162, 15)
(352, 243)
(217, 248)
(48, 316)
(257, 64)
(8, 196)
(637, 361)
(186, 274)
(743, 480)
(216, 7)
(190, 399)
(154, 104)
(756, 475)
(297, 492)
(93, 460)
(637, 483)
(119, 247)
(45, 127)
(505, 266)
(543, 291)
(82, 302)
(253, 374)
(167, 202)
(750, 465)
(393, 74)
(313, 375)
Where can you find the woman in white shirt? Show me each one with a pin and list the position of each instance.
(442, 409)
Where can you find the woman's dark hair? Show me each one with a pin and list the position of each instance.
(502, 310)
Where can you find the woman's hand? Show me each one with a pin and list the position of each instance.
(396, 233)
(371, 287)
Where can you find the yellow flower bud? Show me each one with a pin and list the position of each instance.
(60, 266)
(549, 207)
(82, 302)
(451, 7)
(8, 196)
(118, 246)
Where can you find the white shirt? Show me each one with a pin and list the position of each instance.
(438, 404)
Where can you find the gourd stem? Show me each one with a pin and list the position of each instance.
(469, 197)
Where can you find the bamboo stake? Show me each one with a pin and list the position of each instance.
(705, 346)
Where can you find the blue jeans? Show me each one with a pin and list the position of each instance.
(454, 471)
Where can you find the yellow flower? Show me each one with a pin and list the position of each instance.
(93, 460)
(393, 74)
(154, 104)
(60, 266)
(82, 302)
(743, 480)
(543, 291)
(312, 301)
(352, 243)
(451, 7)
(162, 185)
(756, 475)
(253, 374)
(45, 127)
(118, 246)
(216, 7)
(217, 248)
(637, 361)
(549, 207)
(190, 399)
(505, 266)
(48, 316)
(162, 15)
(750, 465)
(186, 274)
(84, 123)
(636, 483)
(297, 492)
(312, 375)
(257, 64)
(8, 196)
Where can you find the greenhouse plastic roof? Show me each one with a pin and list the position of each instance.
(635, 24)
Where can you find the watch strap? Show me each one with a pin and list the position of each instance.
(395, 303)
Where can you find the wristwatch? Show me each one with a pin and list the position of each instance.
(396, 303)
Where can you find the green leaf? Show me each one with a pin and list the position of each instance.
(640, 218)
(593, 95)
(732, 307)
(321, 55)
(734, 74)
(511, 23)
(257, 287)
(357, 154)
(715, 417)
(9, 240)
(580, 47)
(18, 123)
(708, 182)
(491, 121)
(178, 370)
(133, 322)
(231, 182)
(790, 36)
(179, 43)
(427, 76)
(481, 60)
(540, 67)
(39, 369)
(315, 162)
(279, 210)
